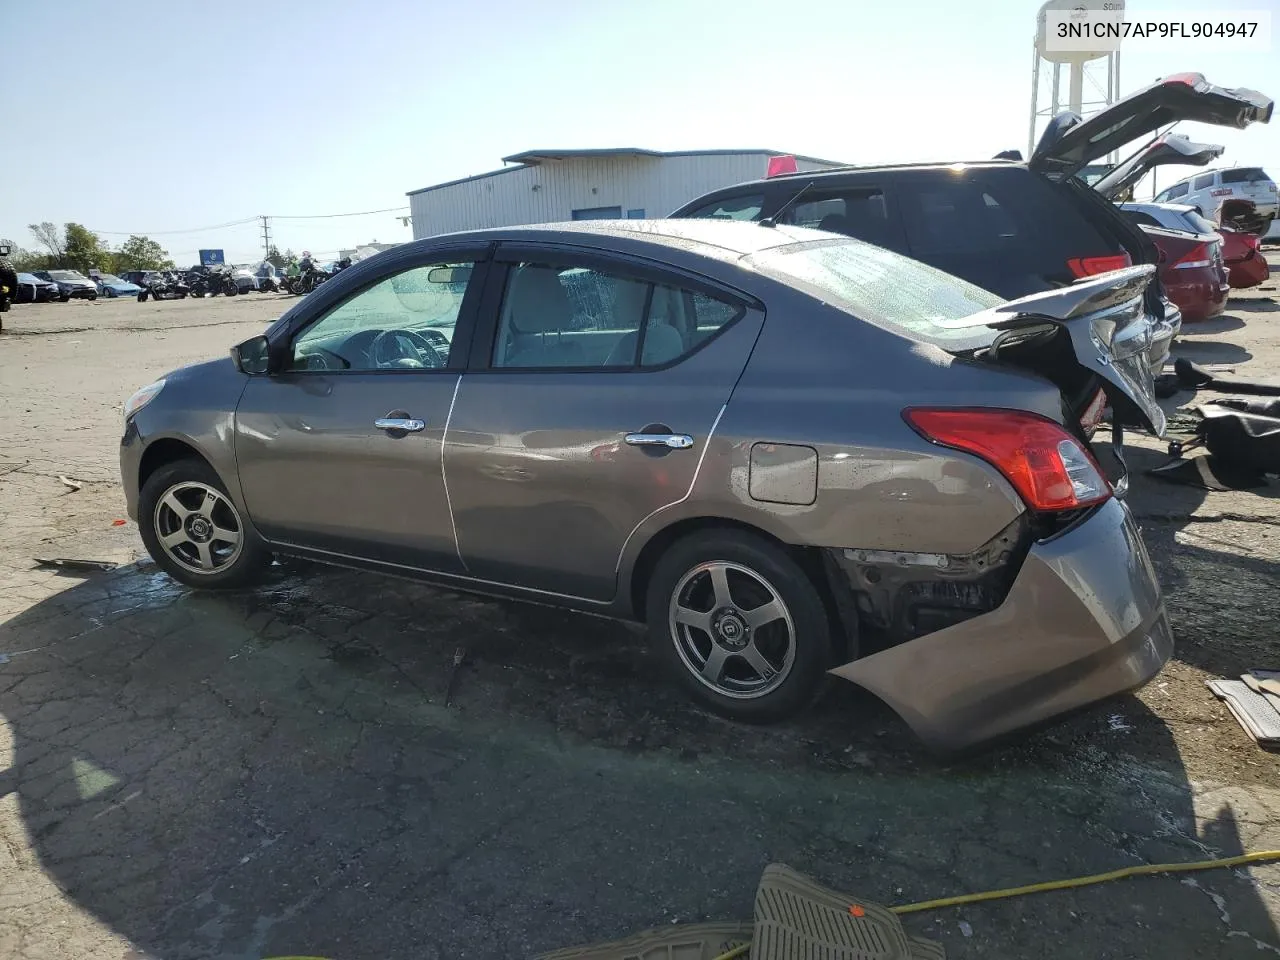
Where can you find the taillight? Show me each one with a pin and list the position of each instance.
(1199, 256)
(1049, 468)
(1092, 266)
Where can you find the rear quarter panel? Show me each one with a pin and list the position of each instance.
(823, 379)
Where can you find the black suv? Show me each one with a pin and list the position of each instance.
(1010, 227)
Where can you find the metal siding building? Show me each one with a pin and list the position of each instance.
(546, 186)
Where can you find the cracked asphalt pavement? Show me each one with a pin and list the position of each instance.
(277, 772)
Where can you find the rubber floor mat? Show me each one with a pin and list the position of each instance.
(799, 919)
(689, 941)
(1253, 711)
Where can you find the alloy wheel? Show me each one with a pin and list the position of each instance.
(732, 630)
(198, 527)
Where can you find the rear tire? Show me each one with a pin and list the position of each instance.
(193, 530)
(740, 625)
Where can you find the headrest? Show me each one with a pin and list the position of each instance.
(539, 302)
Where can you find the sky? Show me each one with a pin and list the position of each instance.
(162, 118)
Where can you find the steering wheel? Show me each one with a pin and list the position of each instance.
(403, 348)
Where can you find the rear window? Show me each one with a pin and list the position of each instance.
(881, 287)
(1198, 224)
(1138, 217)
(1244, 175)
(986, 213)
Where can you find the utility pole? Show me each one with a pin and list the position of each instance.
(266, 236)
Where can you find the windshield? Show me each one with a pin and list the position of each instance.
(1244, 175)
(109, 278)
(67, 275)
(882, 287)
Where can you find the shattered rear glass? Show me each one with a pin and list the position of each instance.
(881, 287)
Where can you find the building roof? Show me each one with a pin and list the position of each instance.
(531, 158)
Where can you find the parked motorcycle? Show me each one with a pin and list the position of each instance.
(162, 286)
(205, 282)
(310, 278)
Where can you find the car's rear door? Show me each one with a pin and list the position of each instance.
(1070, 142)
(341, 451)
(1167, 149)
(588, 406)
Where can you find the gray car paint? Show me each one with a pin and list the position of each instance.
(1083, 621)
(816, 377)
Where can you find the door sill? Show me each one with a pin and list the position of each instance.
(602, 608)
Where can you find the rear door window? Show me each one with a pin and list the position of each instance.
(861, 212)
(558, 317)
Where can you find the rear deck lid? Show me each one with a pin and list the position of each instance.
(1070, 142)
(1169, 148)
(1110, 332)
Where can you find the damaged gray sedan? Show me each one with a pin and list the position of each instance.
(788, 453)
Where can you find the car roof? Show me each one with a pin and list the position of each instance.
(836, 173)
(887, 167)
(1238, 166)
(723, 239)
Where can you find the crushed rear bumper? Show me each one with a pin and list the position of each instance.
(1084, 620)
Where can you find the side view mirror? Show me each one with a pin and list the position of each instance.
(253, 357)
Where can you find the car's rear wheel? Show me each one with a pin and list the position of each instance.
(740, 625)
(194, 531)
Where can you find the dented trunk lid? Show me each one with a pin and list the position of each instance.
(1110, 335)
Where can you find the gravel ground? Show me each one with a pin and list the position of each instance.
(238, 776)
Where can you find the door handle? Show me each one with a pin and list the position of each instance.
(673, 441)
(406, 424)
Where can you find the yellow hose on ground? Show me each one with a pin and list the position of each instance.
(1142, 869)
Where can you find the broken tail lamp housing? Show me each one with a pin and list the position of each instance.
(1048, 467)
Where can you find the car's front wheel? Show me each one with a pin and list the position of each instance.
(194, 531)
(740, 625)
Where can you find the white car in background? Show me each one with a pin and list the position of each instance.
(1211, 189)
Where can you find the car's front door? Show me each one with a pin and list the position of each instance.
(341, 450)
(592, 394)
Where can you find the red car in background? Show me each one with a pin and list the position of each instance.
(1242, 253)
(1193, 267)
(1193, 271)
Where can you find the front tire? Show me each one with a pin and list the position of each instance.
(193, 530)
(740, 625)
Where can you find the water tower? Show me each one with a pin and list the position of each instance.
(1092, 74)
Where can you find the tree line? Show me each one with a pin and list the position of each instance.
(75, 247)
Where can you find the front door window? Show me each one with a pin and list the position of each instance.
(405, 322)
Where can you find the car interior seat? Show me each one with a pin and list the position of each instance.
(538, 310)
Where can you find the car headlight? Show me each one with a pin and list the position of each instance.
(142, 397)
